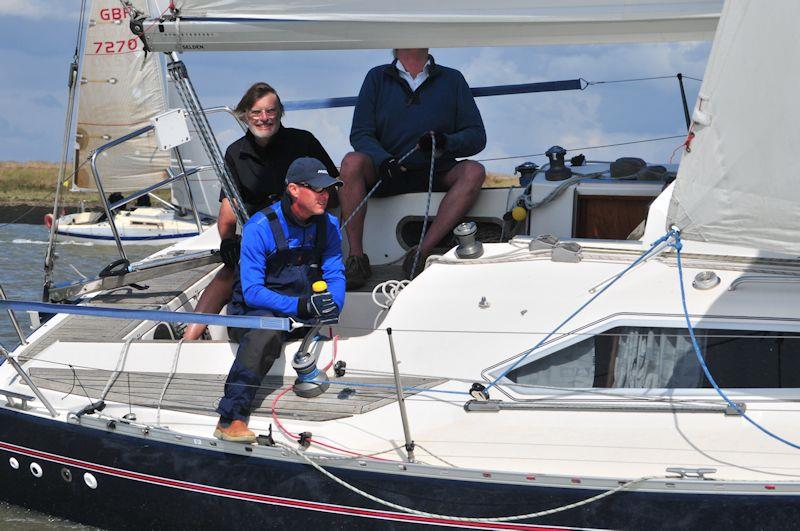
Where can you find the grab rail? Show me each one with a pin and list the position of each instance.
(763, 279)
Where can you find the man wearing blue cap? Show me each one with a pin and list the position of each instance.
(286, 247)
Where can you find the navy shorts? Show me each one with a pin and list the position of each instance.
(416, 180)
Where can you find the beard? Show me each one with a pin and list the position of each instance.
(265, 134)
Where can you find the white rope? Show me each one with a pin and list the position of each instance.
(390, 289)
(409, 510)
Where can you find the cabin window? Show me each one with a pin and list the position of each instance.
(629, 357)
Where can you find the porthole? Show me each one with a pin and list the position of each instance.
(90, 480)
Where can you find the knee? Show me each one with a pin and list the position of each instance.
(474, 174)
(225, 276)
(354, 165)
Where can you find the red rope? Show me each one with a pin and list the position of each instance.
(312, 440)
(686, 144)
(333, 359)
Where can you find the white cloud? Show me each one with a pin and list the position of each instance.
(39, 9)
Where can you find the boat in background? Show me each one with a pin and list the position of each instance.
(120, 92)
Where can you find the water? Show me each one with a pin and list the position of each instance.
(22, 263)
(21, 275)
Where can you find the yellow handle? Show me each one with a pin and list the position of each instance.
(519, 213)
(319, 286)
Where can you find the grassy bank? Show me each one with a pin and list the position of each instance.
(34, 183)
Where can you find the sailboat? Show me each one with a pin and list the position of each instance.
(546, 384)
(120, 92)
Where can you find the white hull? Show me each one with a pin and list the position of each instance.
(141, 226)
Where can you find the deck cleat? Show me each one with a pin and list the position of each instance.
(479, 392)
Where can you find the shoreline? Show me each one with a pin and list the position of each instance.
(31, 213)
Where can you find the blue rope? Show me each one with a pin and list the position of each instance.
(386, 386)
(678, 246)
(525, 354)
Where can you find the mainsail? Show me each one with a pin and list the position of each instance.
(212, 25)
(740, 184)
(119, 92)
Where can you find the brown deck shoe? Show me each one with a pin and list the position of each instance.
(408, 263)
(357, 271)
(236, 431)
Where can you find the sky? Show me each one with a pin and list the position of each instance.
(37, 38)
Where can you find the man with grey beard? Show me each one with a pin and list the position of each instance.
(258, 163)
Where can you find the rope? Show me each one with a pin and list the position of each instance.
(427, 209)
(678, 245)
(392, 387)
(641, 258)
(409, 510)
(390, 289)
(363, 202)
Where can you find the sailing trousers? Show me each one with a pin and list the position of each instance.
(258, 350)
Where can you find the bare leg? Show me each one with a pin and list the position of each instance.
(214, 297)
(464, 183)
(359, 176)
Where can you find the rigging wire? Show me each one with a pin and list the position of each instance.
(586, 148)
(31, 209)
(79, 34)
(631, 80)
(656, 245)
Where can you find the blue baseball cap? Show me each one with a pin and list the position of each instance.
(310, 171)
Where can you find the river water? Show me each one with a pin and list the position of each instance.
(21, 275)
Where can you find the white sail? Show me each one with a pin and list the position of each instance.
(739, 183)
(333, 24)
(118, 93)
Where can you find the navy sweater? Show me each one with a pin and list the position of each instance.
(389, 118)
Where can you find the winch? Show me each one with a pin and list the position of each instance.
(468, 246)
(310, 380)
(557, 170)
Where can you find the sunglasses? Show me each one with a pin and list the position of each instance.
(315, 189)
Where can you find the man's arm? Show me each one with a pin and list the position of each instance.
(332, 266)
(257, 246)
(226, 220)
(470, 135)
(363, 133)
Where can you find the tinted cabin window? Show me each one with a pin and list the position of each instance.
(641, 357)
